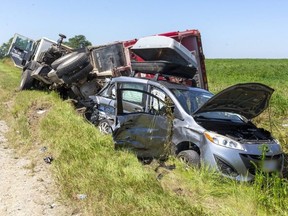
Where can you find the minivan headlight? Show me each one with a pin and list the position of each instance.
(223, 141)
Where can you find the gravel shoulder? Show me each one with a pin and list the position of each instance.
(26, 188)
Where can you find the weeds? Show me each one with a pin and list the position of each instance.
(272, 188)
(271, 192)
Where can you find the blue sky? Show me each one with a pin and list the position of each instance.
(229, 29)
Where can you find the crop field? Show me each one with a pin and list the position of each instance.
(115, 182)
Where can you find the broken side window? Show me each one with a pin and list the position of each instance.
(164, 106)
(109, 92)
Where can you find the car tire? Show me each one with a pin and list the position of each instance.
(191, 157)
(73, 78)
(26, 80)
(73, 64)
(60, 60)
(105, 126)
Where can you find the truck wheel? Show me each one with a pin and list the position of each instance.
(60, 60)
(105, 126)
(72, 64)
(191, 157)
(69, 79)
(26, 80)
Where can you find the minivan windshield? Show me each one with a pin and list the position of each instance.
(191, 99)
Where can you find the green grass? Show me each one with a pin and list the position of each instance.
(114, 181)
(9, 78)
(272, 72)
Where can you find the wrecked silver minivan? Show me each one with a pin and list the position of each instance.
(158, 118)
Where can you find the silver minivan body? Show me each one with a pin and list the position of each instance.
(221, 134)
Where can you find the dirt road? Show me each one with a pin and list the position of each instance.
(26, 188)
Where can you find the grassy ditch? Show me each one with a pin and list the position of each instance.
(114, 182)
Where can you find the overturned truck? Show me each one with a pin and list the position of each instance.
(78, 74)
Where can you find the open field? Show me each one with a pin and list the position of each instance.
(115, 182)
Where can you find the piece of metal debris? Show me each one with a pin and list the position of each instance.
(43, 149)
(81, 196)
(160, 176)
(48, 159)
(41, 111)
(52, 205)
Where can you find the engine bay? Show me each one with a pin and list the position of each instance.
(241, 132)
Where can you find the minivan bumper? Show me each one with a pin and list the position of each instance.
(242, 165)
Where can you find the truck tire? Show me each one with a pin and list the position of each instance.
(191, 157)
(26, 80)
(73, 78)
(60, 60)
(73, 64)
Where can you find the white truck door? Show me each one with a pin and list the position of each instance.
(21, 50)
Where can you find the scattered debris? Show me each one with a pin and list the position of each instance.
(48, 159)
(43, 149)
(146, 161)
(168, 167)
(160, 176)
(41, 111)
(53, 205)
(81, 196)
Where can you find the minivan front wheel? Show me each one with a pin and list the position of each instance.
(191, 157)
(105, 126)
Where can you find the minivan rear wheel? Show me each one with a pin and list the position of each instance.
(191, 157)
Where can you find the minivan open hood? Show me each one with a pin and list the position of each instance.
(247, 99)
